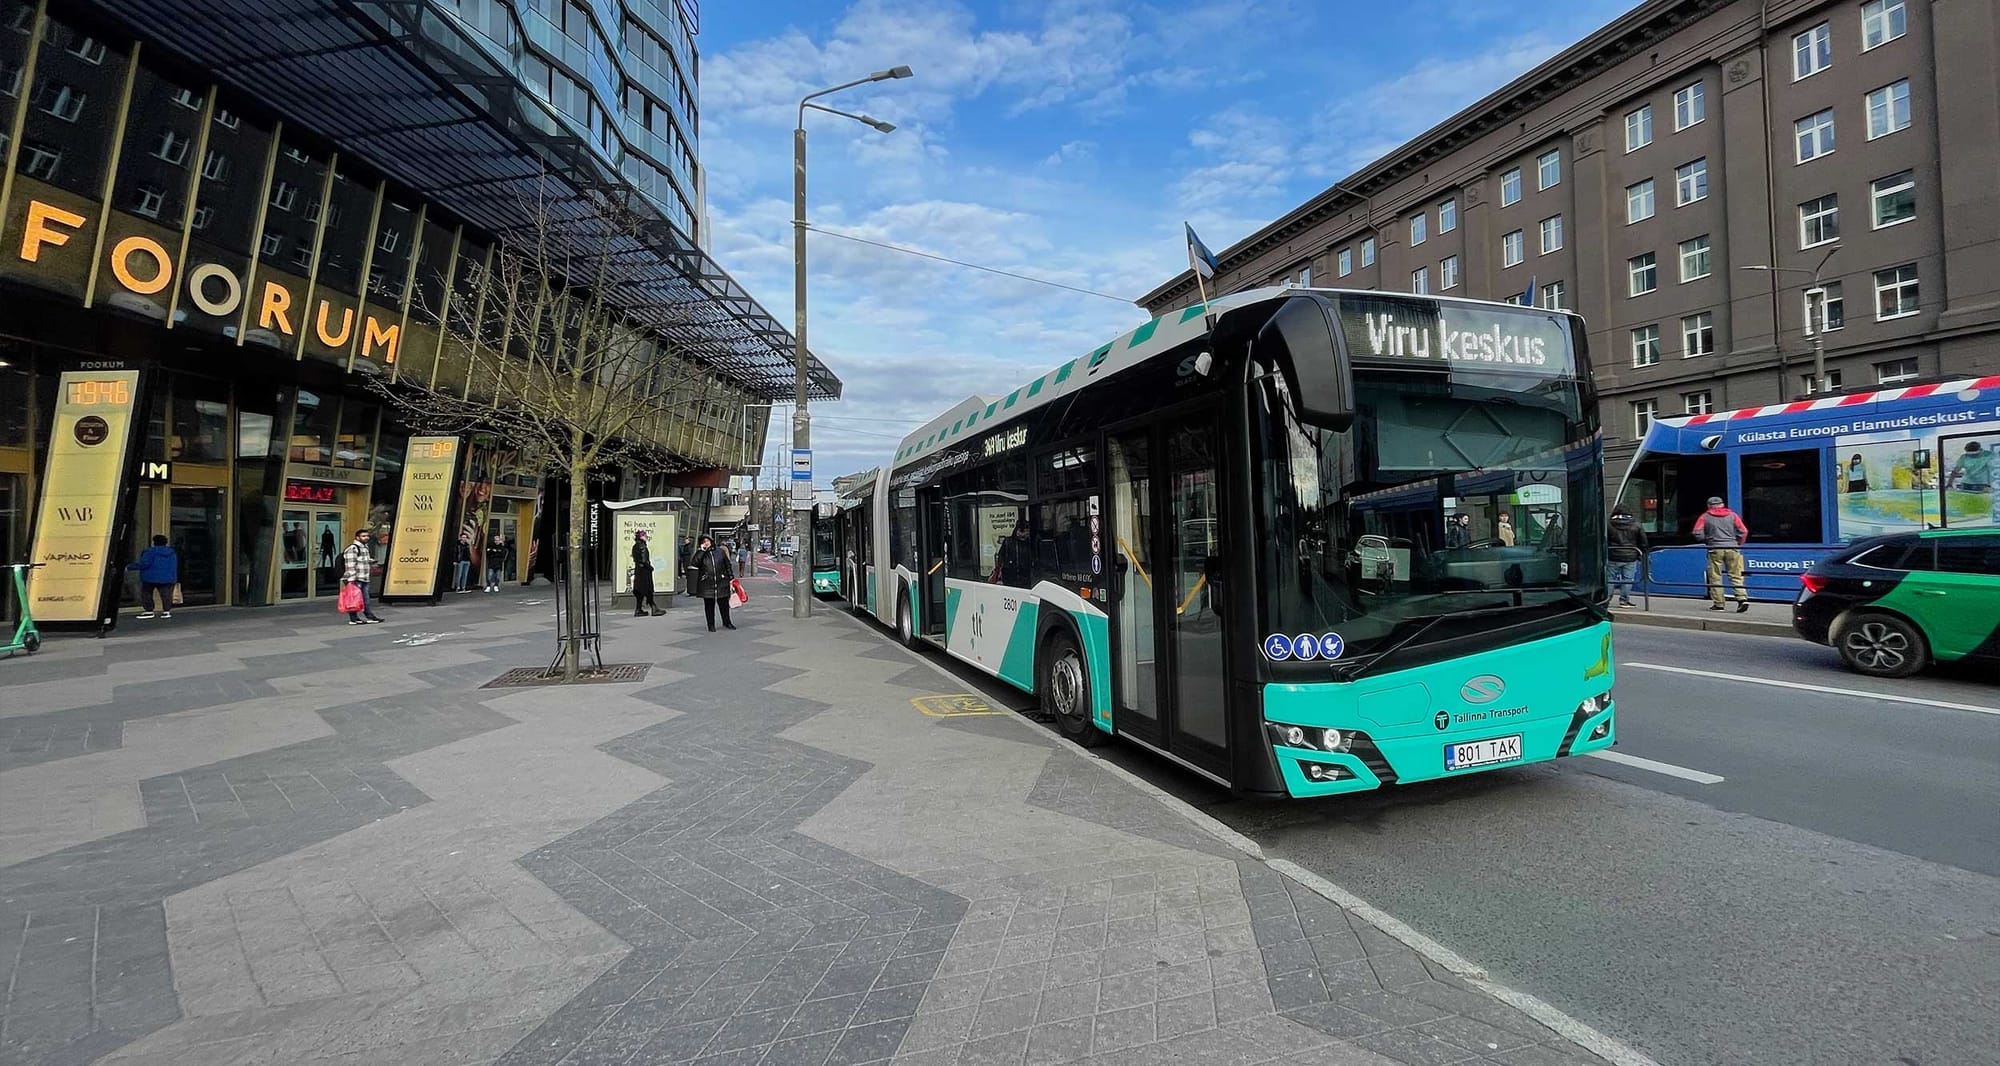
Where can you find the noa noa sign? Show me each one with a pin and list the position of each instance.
(143, 265)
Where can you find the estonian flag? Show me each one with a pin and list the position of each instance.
(1200, 259)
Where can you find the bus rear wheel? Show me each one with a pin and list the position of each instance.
(1065, 690)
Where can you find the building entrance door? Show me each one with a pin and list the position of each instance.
(195, 530)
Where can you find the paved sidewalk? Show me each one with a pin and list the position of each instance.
(1681, 612)
(264, 837)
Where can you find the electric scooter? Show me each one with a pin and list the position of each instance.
(25, 636)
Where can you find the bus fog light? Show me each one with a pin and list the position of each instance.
(1295, 737)
(1318, 772)
(1603, 730)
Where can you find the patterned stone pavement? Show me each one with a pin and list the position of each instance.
(264, 837)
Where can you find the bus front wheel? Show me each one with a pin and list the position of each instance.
(905, 631)
(1065, 690)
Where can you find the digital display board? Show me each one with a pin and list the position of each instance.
(1413, 330)
(80, 485)
(421, 516)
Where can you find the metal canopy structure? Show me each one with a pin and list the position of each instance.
(421, 98)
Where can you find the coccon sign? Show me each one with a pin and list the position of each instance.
(144, 266)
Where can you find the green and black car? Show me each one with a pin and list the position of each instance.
(1893, 605)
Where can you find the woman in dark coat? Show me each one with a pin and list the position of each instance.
(710, 573)
(642, 578)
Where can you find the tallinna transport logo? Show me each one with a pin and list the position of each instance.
(1443, 720)
(1482, 689)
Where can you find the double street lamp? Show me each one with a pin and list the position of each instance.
(1815, 314)
(802, 502)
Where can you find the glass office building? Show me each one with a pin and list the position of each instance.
(260, 216)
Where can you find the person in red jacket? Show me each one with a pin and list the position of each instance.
(1722, 531)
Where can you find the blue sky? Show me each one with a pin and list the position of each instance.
(1066, 139)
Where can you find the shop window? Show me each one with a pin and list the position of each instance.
(198, 420)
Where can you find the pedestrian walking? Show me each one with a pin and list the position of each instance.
(642, 578)
(1627, 550)
(711, 576)
(356, 564)
(159, 570)
(1722, 532)
(497, 553)
(462, 577)
(682, 564)
(743, 560)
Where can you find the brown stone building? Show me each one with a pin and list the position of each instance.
(1649, 177)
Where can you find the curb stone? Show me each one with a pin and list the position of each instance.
(1609, 1048)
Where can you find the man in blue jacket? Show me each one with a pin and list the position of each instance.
(159, 571)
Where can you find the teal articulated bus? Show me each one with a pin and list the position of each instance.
(826, 549)
(1298, 541)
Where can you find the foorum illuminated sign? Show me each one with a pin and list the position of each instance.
(144, 266)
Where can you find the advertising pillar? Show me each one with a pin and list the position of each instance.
(90, 446)
(423, 519)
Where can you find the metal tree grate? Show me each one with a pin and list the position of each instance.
(539, 676)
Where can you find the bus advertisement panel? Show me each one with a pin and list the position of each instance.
(1812, 475)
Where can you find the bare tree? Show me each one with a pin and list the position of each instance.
(536, 358)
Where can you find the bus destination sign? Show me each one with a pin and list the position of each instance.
(1415, 330)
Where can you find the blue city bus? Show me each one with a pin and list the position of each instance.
(1298, 541)
(1809, 476)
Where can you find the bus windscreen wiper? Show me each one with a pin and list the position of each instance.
(1359, 670)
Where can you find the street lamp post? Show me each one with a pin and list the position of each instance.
(1815, 330)
(802, 502)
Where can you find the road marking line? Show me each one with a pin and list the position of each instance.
(1857, 693)
(1699, 777)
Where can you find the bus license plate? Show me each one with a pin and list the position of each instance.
(1482, 752)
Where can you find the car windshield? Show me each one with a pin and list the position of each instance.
(1454, 492)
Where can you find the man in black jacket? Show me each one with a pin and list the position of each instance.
(642, 578)
(1627, 548)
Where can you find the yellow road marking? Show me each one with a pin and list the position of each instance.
(954, 705)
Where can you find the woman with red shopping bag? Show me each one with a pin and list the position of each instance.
(714, 581)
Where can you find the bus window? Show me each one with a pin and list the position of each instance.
(1781, 496)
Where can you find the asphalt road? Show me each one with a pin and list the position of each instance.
(1835, 898)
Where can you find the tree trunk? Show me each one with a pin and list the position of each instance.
(579, 525)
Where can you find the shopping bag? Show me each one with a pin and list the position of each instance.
(737, 597)
(351, 598)
(177, 594)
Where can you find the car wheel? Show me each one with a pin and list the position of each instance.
(1065, 690)
(1882, 645)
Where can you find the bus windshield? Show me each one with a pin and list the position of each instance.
(1456, 491)
(825, 553)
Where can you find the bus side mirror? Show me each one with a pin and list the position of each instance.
(1301, 339)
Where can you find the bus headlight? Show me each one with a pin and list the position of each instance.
(1333, 741)
(1295, 737)
(1594, 704)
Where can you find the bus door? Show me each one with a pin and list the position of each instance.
(1190, 607)
(1135, 683)
(935, 535)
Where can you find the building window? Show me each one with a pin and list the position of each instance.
(1812, 51)
(1639, 201)
(227, 119)
(1419, 230)
(188, 98)
(1690, 106)
(1643, 413)
(1512, 249)
(1646, 346)
(1510, 188)
(274, 244)
(1549, 169)
(1889, 109)
(147, 201)
(1447, 216)
(1698, 403)
(1691, 182)
(1306, 276)
(284, 196)
(1698, 334)
(88, 49)
(1639, 128)
(1832, 382)
(1896, 371)
(1552, 233)
(1346, 261)
(42, 161)
(1643, 271)
(1694, 258)
(173, 148)
(1814, 135)
(302, 257)
(1832, 309)
(1882, 21)
(388, 241)
(1896, 292)
(202, 217)
(62, 101)
(1420, 281)
(1448, 273)
(1895, 198)
(1819, 221)
(297, 155)
(1553, 296)
(1367, 251)
(215, 167)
